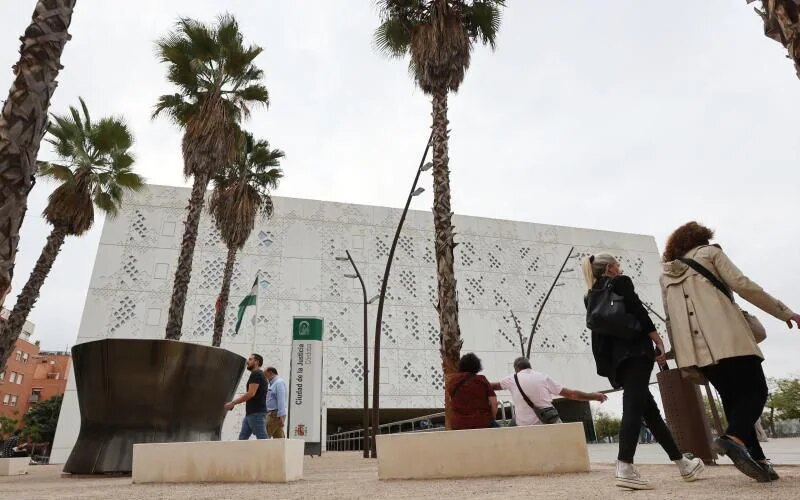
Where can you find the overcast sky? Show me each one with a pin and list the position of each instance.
(627, 116)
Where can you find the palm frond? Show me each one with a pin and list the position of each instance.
(482, 20)
(202, 38)
(66, 136)
(122, 160)
(95, 168)
(412, 11)
(247, 77)
(176, 107)
(242, 189)
(439, 36)
(268, 179)
(55, 171)
(239, 67)
(86, 118)
(129, 180)
(76, 118)
(106, 203)
(205, 62)
(116, 193)
(393, 37)
(228, 35)
(217, 82)
(253, 94)
(261, 156)
(110, 134)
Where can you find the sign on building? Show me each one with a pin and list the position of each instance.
(305, 387)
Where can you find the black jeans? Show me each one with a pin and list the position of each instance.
(742, 386)
(637, 404)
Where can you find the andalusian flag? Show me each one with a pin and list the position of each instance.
(249, 300)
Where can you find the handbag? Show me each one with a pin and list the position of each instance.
(607, 315)
(756, 328)
(547, 415)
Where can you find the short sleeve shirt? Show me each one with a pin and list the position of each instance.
(470, 404)
(258, 403)
(539, 387)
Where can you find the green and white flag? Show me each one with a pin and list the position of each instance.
(249, 300)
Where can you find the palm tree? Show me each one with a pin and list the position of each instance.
(23, 123)
(439, 36)
(782, 23)
(241, 192)
(94, 170)
(217, 84)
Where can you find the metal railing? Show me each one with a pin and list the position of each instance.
(353, 440)
(38, 453)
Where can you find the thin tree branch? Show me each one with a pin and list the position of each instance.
(519, 332)
(546, 298)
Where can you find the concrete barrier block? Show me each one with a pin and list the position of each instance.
(264, 461)
(14, 466)
(508, 451)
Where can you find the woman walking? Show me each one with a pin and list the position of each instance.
(627, 359)
(711, 335)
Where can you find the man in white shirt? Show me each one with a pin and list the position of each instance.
(540, 389)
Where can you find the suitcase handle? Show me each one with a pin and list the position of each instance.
(665, 367)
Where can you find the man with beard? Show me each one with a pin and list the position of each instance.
(255, 399)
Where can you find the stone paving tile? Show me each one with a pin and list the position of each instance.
(348, 476)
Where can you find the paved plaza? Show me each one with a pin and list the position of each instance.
(348, 476)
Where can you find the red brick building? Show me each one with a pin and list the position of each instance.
(31, 375)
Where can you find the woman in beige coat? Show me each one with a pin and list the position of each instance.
(710, 334)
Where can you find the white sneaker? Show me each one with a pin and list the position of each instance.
(691, 468)
(628, 477)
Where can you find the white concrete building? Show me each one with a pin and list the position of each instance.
(500, 266)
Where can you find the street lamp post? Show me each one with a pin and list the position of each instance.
(376, 364)
(365, 415)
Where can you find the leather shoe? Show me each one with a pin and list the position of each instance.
(741, 459)
(767, 466)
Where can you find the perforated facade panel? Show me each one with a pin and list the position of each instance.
(500, 266)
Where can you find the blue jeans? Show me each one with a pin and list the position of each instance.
(255, 423)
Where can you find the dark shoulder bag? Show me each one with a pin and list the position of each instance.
(548, 414)
(758, 330)
(607, 315)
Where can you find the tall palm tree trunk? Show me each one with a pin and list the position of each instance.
(782, 24)
(450, 340)
(224, 295)
(23, 121)
(30, 292)
(183, 271)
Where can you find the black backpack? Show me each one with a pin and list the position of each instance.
(606, 314)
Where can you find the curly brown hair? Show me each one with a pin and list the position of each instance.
(470, 363)
(685, 238)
